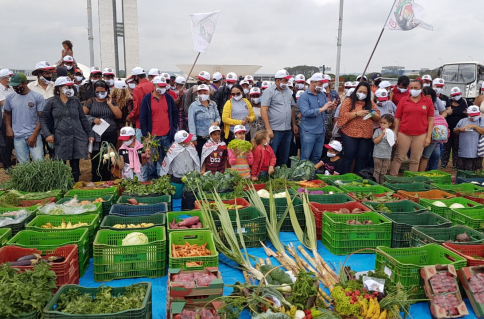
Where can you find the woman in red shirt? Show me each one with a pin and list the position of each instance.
(357, 127)
(264, 158)
(414, 121)
(400, 90)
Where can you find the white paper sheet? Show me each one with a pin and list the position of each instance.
(101, 128)
(390, 136)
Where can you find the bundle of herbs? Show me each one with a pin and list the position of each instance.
(160, 186)
(230, 181)
(151, 143)
(40, 176)
(239, 146)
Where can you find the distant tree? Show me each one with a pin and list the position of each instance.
(305, 70)
(122, 74)
(349, 77)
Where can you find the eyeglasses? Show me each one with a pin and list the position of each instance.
(237, 94)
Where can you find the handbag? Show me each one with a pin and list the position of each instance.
(480, 144)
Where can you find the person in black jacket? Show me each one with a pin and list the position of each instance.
(222, 95)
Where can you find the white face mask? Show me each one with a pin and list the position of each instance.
(246, 91)
(300, 86)
(457, 97)
(250, 86)
(402, 90)
(328, 154)
(101, 95)
(68, 67)
(238, 98)
(325, 85)
(256, 100)
(94, 81)
(426, 84)
(203, 97)
(110, 82)
(474, 118)
(438, 90)
(361, 96)
(68, 92)
(132, 85)
(415, 93)
(230, 86)
(45, 80)
(283, 86)
(128, 143)
(318, 88)
(265, 144)
(160, 91)
(173, 88)
(78, 78)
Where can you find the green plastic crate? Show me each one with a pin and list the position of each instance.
(111, 220)
(98, 210)
(138, 210)
(106, 205)
(57, 193)
(403, 206)
(112, 260)
(367, 181)
(467, 174)
(51, 240)
(179, 216)
(440, 177)
(471, 217)
(461, 188)
(5, 235)
(403, 223)
(446, 212)
(409, 187)
(320, 198)
(144, 312)
(17, 227)
(423, 236)
(281, 206)
(479, 181)
(200, 238)
(406, 180)
(338, 198)
(80, 193)
(409, 261)
(375, 189)
(341, 238)
(148, 200)
(330, 179)
(32, 208)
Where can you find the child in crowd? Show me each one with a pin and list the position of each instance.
(240, 162)
(132, 158)
(264, 158)
(384, 139)
(332, 163)
(469, 130)
(383, 103)
(214, 152)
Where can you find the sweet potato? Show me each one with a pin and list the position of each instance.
(188, 222)
(132, 201)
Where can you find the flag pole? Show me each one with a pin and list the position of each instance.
(338, 56)
(378, 41)
(190, 73)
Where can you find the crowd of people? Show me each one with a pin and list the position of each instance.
(68, 115)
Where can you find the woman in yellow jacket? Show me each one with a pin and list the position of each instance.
(237, 111)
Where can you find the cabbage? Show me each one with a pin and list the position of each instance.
(456, 205)
(135, 238)
(439, 204)
(263, 193)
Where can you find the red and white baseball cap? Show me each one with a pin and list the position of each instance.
(438, 82)
(319, 77)
(95, 70)
(159, 81)
(255, 90)
(137, 71)
(180, 80)
(4, 73)
(68, 59)
(239, 128)
(183, 137)
(120, 85)
(154, 72)
(359, 77)
(231, 77)
(165, 75)
(42, 66)
(244, 82)
(455, 91)
(63, 80)
(334, 145)
(298, 94)
(354, 84)
(282, 74)
(202, 87)
(300, 78)
(126, 133)
(347, 85)
(204, 76)
(249, 78)
(473, 110)
(217, 76)
(384, 84)
(108, 71)
(350, 90)
(427, 77)
(381, 95)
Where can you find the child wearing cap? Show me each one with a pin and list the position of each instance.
(132, 157)
(383, 103)
(240, 162)
(214, 152)
(469, 131)
(332, 163)
(384, 139)
(264, 157)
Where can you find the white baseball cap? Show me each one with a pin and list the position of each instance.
(427, 77)
(300, 78)
(108, 71)
(120, 85)
(355, 83)
(255, 90)
(202, 87)
(165, 75)
(327, 77)
(159, 81)
(350, 90)
(63, 80)
(298, 93)
(318, 77)
(249, 78)
(154, 72)
(42, 66)
(381, 95)
(126, 133)
(183, 137)
(244, 82)
(213, 128)
(217, 76)
(455, 91)
(4, 73)
(282, 74)
(347, 84)
(137, 71)
(68, 59)
(180, 80)
(359, 77)
(384, 84)
(231, 77)
(95, 70)
(239, 128)
(438, 82)
(204, 76)
(334, 145)
(265, 84)
(473, 110)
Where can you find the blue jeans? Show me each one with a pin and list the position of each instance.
(153, 169)
(281, 144)
(23, 150)
(357, 149)
(311, 146)
(435, 158)
(138, 135)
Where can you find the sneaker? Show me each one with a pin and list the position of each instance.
(7, 171)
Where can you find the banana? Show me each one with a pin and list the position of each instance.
(376, 313)
(364, 309)
(383, 315)
(371, 309)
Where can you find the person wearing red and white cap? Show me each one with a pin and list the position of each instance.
(223, 93)
(181, 92)
(43, 84)
(64, 124)
(203, 78)
(427, 80)
(152, 73)
(265, 85)
(257, 125)
(108, 77)
(5, 89)
(332, 162)
(469, 130)
(245, 87)
(300, 80)
(131, 84)
(86, 91)
(158, 116)
(217, 80)
(143, 87)
(383, 103)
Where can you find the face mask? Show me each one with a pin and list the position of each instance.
(250, 86)
(325, 85)
(160, 91)
(78, 78)
(246, 91)
(132, 85)
(19, 89)
(300, 86)
(283, 86)
(438, 90)
(426, 84)
(110, 82)
(457, 97)
(265, 144)
(68, 67)
(230, 86)
(256, 100)
(319, 88)
(361, 96)
(101, 95)
(203, 97)
(67, 92)
(474, 118)
(238, 98)
(128, 143)
(328, 154)
(415, 93)
(46, 80)
(402, 90)
(94, 81)
(173, 88)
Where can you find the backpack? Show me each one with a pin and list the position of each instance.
(440, 132)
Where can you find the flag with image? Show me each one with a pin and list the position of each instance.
(406, 15)
(203, 28)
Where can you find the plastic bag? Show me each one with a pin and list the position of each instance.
(61, 209)
(14, 217)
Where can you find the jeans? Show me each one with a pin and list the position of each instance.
(281, 144)
(414, 143)
(138, 135)
(355, 149)
(435, 158)
(153, 169)
(311, 146)
(24, 151)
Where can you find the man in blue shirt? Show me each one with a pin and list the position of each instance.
(313, 105)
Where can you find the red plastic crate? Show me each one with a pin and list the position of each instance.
(257, 187)
(33, 202)
(395, 195)
(67, 271)
(319, 209)
(472, 198)
(237, 201)
(467, 251)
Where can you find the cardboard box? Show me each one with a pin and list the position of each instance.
(436, 279)
(174, 309)
(179, 290)
(476, 298)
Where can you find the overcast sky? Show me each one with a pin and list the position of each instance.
(271, 33)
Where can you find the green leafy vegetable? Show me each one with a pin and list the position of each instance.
(277, 276)
(303, 171)
(160, 186)
(304, 289)
(240, 146)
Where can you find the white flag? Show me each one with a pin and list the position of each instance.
(203, 28)
(406, 15)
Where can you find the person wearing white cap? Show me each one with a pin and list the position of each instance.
(5, 89)
(86, 90)
(6, 146)
(159, 116)
(265, 85)
(43, 84)
(65, 125)
(240, 162)
(300, 82)
(313, 105)
(124, 100)
(223, 93)
(427, 80)
(258, 124)
(214, 152)
(470, 130)
(332, 162)
(181, 91)
(217, 80)
(245, 86)
(278, 114)
(347, 86)
(152, 73)
(202, 114)
(143, 87)
(132, 160)
(108, 77)
(69, 63)
(203, 78)
(237, 111)
(250, 79)
(385, 85)
(383, 103)
(361, 78)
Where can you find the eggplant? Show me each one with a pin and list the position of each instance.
(29, 257)
(24, 262)
(56, 259)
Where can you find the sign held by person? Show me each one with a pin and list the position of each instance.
(405, 16)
